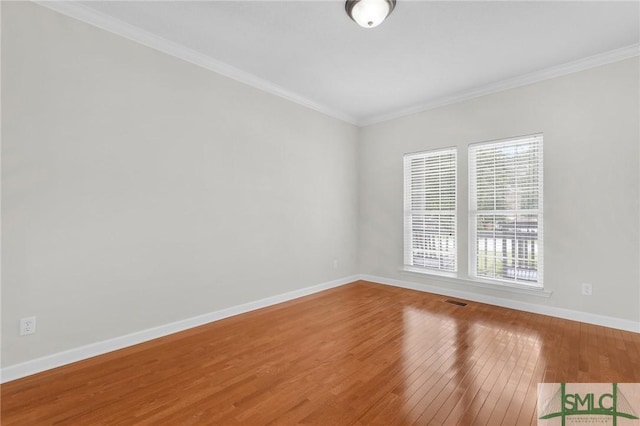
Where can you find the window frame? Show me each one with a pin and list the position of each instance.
(408, 249)
(474, 212)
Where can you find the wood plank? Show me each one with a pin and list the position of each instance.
(360, 354)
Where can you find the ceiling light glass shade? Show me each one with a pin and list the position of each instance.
(369, 13)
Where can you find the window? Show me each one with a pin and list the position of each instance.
(430, 210)
(505, 210)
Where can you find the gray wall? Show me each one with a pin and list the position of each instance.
(590, 122)
(139, 189)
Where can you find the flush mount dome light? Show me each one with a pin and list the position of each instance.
(369, 13)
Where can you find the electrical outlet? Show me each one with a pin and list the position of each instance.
(587, 290)
(27, 326)
(335, 263)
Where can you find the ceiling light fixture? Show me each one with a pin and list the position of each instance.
(369, 13)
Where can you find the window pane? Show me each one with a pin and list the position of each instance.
(505, 203)
(430, 210)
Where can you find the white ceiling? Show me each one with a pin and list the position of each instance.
(426, 53)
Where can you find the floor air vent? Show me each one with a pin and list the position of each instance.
(455, 302)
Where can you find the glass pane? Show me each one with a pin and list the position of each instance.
(433, 241)
(507, 247)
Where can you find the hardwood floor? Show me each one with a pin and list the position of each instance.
(359, 354)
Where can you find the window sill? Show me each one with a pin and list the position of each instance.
(452, 278)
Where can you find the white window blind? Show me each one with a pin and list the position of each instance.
(430, 210)
(505, 202)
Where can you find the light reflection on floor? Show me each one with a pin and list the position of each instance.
(447, 360)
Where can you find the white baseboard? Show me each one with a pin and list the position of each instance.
(59, 359)
(569, 314)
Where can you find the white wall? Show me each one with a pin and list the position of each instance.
(139, 189)
(591, 123)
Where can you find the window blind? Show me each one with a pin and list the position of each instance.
(430, 210)
(506, 214)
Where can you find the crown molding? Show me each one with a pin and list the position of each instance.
(512, 83)
(108, 23)
(92, 17)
